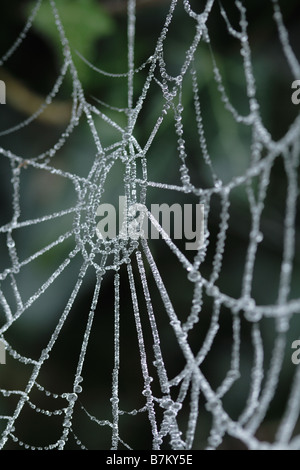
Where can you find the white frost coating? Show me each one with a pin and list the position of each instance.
(162, 397)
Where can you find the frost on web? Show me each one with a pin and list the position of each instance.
(142, 370)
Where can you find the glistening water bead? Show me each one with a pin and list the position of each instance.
(176, 98)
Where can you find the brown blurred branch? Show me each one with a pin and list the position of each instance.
(120, 6)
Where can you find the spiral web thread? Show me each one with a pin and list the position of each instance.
(191, 383)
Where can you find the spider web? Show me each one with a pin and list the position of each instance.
(180, 404)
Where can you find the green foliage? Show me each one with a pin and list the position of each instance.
(85, 21)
